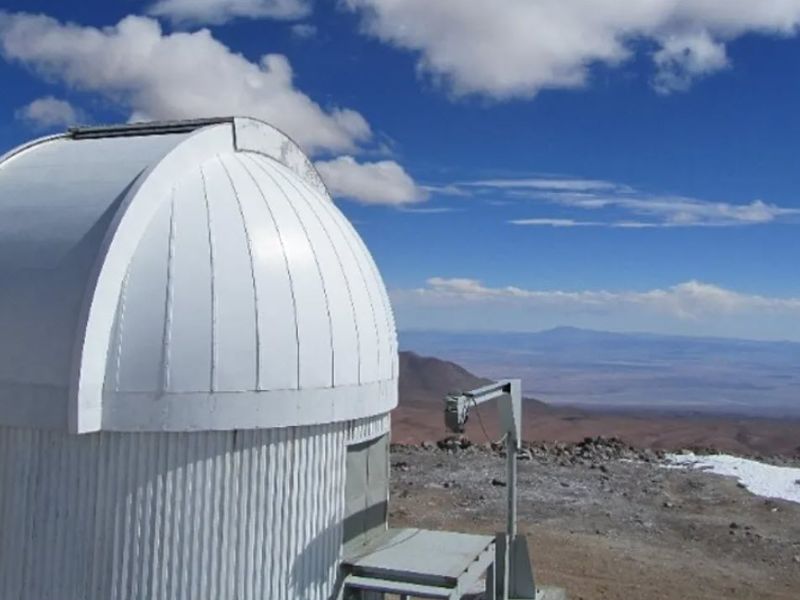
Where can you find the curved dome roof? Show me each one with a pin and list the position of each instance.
(184, 276)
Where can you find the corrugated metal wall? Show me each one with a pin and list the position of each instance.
(234, 515)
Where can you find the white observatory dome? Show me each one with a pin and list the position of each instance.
(197, 364)
(185, 276)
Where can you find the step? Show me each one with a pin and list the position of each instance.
(388, 586)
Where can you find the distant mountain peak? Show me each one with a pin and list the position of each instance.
(424, 379)
(564, 328)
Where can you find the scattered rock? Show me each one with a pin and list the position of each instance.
(592, 452)
(612, 494)
(524, 454)
(454, 443)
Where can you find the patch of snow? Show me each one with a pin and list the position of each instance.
(760, 479)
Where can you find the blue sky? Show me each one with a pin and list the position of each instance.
(542, 165)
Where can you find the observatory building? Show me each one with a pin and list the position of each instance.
(197, 363)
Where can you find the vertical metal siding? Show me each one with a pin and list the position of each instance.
(235, 515)
(370, 428)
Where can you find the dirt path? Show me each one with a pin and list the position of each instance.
(614, 529)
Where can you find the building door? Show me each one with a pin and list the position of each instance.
(366, 490)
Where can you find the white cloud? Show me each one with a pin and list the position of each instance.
(544, 183)
(172, 76)
(304, 31)
(683, 58)
(676, 211)
(383, 182)
(662, 211)
(450, 189)
(547, 222)
(215, 12)
(49, 112)
(515, 48)
(428, 210)
(687, 300)
(688, 308)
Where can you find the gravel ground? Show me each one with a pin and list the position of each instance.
(608, 521)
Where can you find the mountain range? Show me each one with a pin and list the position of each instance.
(425, 380)
(641, 372)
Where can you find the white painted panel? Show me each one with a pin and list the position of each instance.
(313, 324)
(55, 192)
(364, 314)
(386, 331)
(312, 213)
(36, 333)
(58, 198)
(391, 368)
(144, 200)
(190, 330)
(234, 353)
(256, 136)
(246, 410)
(374, 364)
(388, 367)
(141, 325)
(111, 381)
(277, 327)
(188, 325)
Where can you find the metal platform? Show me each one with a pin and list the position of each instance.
(421, 564)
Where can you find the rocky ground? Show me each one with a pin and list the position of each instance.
(606, 520)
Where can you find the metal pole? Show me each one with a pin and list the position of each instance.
(511, 510)
(511, 458)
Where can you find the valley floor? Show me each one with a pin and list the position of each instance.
(608, 527)
(738, 435)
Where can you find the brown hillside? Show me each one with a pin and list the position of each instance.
(424, 382)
